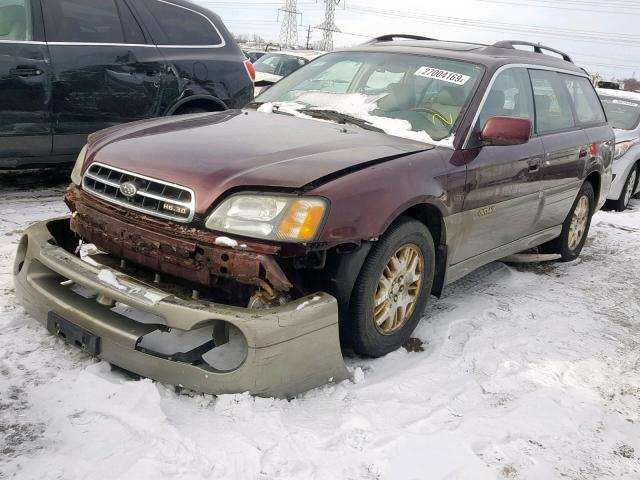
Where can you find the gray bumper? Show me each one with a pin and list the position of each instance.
(289, 349)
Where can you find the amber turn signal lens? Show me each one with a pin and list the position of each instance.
(302, 221)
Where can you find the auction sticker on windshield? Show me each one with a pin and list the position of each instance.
(444, 75)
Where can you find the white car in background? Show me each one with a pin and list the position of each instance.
(275, 65)
(623, 113)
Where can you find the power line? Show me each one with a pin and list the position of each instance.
(578, 35)
(557, 7)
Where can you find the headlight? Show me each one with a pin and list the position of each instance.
(270, 217)
(622, 148)
(76, 173)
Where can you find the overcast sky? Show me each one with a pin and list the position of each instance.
(601, 35)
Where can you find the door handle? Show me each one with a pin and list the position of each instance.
(26, 71)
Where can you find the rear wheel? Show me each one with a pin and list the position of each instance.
(575, 228)
(392, 289)
(627, 191)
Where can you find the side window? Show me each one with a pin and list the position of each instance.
(15, 20)
(510, 96)
(553, 103)
(132, 31)
(585, 101)
(83, 21)
(269, 64)
(183, 26)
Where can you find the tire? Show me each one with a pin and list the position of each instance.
(627, 191)
(409, 241)
(190, 110)
(567, 245)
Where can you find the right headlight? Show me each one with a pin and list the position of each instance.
(270, 217)
(76, 173)
(622, 148)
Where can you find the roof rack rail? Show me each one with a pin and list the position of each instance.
(390, 37)
(538, 48)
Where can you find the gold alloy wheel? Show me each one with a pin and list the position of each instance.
(579, 222)
(398, 289)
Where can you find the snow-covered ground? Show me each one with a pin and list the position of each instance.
(528, 373)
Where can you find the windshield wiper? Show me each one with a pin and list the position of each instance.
(340, 118)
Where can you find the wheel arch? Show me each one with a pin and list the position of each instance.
(207, 102)
(595, 180)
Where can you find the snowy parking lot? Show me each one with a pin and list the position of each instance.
(525, 373)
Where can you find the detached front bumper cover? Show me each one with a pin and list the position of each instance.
(286, 350)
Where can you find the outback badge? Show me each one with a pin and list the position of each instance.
(483, 212)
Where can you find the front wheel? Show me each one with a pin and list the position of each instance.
(575, 228)
(392, 289)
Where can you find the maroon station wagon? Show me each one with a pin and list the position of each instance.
(239, 250)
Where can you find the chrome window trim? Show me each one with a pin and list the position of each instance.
(22, 42)
(527, 66)
(191, 204)
(147, 45)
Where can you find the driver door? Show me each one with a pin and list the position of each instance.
(503, 203)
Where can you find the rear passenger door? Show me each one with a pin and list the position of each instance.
(565, 143)
(105, 71)
(198, 58)
(25, 83)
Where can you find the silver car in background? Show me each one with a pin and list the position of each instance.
(623, 113)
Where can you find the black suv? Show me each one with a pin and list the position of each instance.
(71, 67)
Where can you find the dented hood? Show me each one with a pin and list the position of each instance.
(216, 152)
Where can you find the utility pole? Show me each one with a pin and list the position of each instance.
(329, 26)
(289, 26)
(308, 36)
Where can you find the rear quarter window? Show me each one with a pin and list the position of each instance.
(183, 26)
(585, 100)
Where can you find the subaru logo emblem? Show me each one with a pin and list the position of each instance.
(128, 189)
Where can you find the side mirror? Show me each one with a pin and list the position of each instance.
(500, 131)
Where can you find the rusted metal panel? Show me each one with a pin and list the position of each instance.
(182, 252)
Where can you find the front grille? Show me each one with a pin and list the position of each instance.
(155, 197)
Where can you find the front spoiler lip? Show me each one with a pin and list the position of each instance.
(291, 349)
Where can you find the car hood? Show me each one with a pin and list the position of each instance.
(624, 135)
(216, 152)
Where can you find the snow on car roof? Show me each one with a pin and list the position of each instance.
(307, 54)
(611, 92)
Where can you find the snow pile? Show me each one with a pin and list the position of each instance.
(527, 373)
(226, 242)
(356, 105)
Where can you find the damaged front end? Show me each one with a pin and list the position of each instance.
(214, 267)
(176, 304)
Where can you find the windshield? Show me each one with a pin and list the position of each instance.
(411, 96)
(622, 113)
(278, 64)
